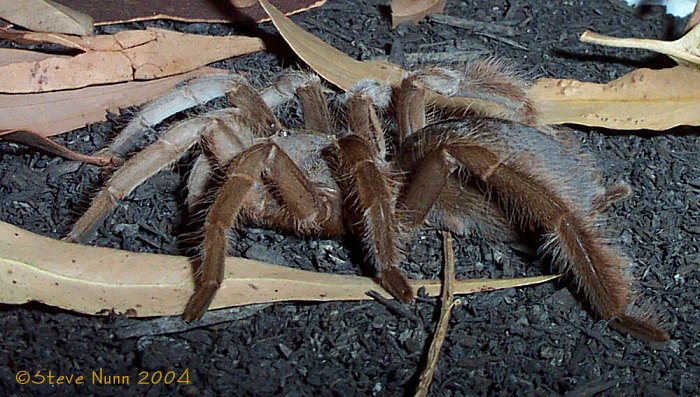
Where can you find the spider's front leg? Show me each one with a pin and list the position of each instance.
(169, 148)
(367, 178)
(248, 173)
(301, 201)
(192, 93)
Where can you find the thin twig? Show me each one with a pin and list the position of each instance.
(476, 26)
(394, 306)
(451, 56)
(503, 40)
(446, 308)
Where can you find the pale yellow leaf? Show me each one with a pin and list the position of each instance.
(685, 51)
(330, 63)
(414, 10)
(641, 99)
(96, 280)
(125, 56)
(45, 16)
(57, 112)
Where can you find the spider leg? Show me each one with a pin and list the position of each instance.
(617, 192)
(156, 157)
(317, 117)
(482, 80)
(362, 101)
(530, 174)
(368, 181)
(202, 90)
(190, 94)
(300, 199)
(198, 180)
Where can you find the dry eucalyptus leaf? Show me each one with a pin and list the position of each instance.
(94, 280)
(329, 62)
(128, 55)
(54, 113)
(414, 10)
(241, 12)
(343, 71)
(641, 99)
(42, 143)
(46, 16)
(685, 51)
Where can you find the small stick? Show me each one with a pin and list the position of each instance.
(394, 306)
(473, 25)
(503, 40)
(451, 56)
(446, 308)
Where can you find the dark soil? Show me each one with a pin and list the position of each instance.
(530, 341)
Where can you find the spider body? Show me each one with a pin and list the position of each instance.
(470, 174)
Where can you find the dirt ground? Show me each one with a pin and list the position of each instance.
(528, 341)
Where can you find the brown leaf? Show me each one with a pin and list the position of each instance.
(46, 16)
(245, 11)
(343, 71)
(414, 10)
(641, 99)
(40, 142)
(685, 51)
(58, 112)
(125, 56)
(96, 280)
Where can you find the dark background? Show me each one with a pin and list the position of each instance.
(530, 341)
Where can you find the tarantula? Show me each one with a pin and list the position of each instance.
(465, 173)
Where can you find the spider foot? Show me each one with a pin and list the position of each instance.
(199, 301)
(395, 283)
(641, 328)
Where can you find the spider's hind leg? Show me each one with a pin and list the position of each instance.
(612, 194)
(495, 89)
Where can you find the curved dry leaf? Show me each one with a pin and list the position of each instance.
(125, 56)
(46, 16)
(641, 99)
(685, 51)
(95, 280)
(414, 10)
(329, 62)
(54, 113)
(343, 71)
(40, 142)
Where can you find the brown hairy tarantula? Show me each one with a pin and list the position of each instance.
(465, 173)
